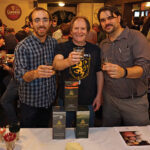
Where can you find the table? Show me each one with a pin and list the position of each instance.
(99, 139)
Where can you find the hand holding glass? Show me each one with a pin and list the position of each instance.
(105, 60)
(80, 50)
(50, 65)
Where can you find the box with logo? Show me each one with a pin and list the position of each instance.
(82, 122)
(71, 95)
(59, 122)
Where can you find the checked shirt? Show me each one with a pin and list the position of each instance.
(29, 54)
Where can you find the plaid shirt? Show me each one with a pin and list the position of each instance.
(29, 54)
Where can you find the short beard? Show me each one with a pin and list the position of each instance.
(41, 35)
(112, 31)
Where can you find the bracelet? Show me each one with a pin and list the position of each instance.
(125, 73)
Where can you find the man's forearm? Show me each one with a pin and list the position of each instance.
(30, 76)
(134, 72)
(61, 64)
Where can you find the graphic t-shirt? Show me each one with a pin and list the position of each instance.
(85, 71)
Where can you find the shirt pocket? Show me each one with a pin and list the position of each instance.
(124, 55)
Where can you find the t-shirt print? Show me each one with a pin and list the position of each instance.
(81, 70)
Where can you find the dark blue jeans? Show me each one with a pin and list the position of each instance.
(8, 100)
(32, 117)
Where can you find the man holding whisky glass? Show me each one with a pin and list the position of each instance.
(125, 87)
(33, 72)
(85, 69)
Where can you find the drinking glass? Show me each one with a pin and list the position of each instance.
(81, 50)
(106, 60)
(10, 139)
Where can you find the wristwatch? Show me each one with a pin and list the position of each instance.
(125, 73)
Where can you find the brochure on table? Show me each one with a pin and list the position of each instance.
(134, 136)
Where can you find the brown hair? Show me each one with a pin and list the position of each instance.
(65, 28)
(38, 9)
(113, 10)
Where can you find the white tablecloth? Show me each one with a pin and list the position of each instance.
(99, 139)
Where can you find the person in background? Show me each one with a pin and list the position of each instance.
(100, 34)
(9, 99)
(87, 71)
(11, 30)
(10, 40)
(2, 28)
(53, 27)
(20, 35)
(9, 47)
(2, 72)
(2, 41)
(146, 29)
(34, 72)
(92, 35)
(96, 35)
(146, 24)
(126, 67)
(26, 28)
(57, 34)
(65, 29)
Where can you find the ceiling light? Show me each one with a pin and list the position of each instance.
(61, 4)
(148, 4)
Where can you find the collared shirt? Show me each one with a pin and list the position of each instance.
(29, 54)
(130, 49)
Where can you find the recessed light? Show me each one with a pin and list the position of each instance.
(61, 4)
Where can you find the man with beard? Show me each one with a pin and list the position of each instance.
(126, 66)
(34, 72)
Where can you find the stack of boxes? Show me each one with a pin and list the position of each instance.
(71, 104)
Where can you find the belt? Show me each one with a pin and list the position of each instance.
(134, 96)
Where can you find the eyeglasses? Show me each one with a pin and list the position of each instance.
(108, 18)
(37, 20)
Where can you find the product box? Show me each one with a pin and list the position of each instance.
(59, 122)
(71, 95)
(82, 122)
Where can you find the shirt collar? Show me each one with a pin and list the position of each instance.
(123, 35)
(74, 45)
(38, 40)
